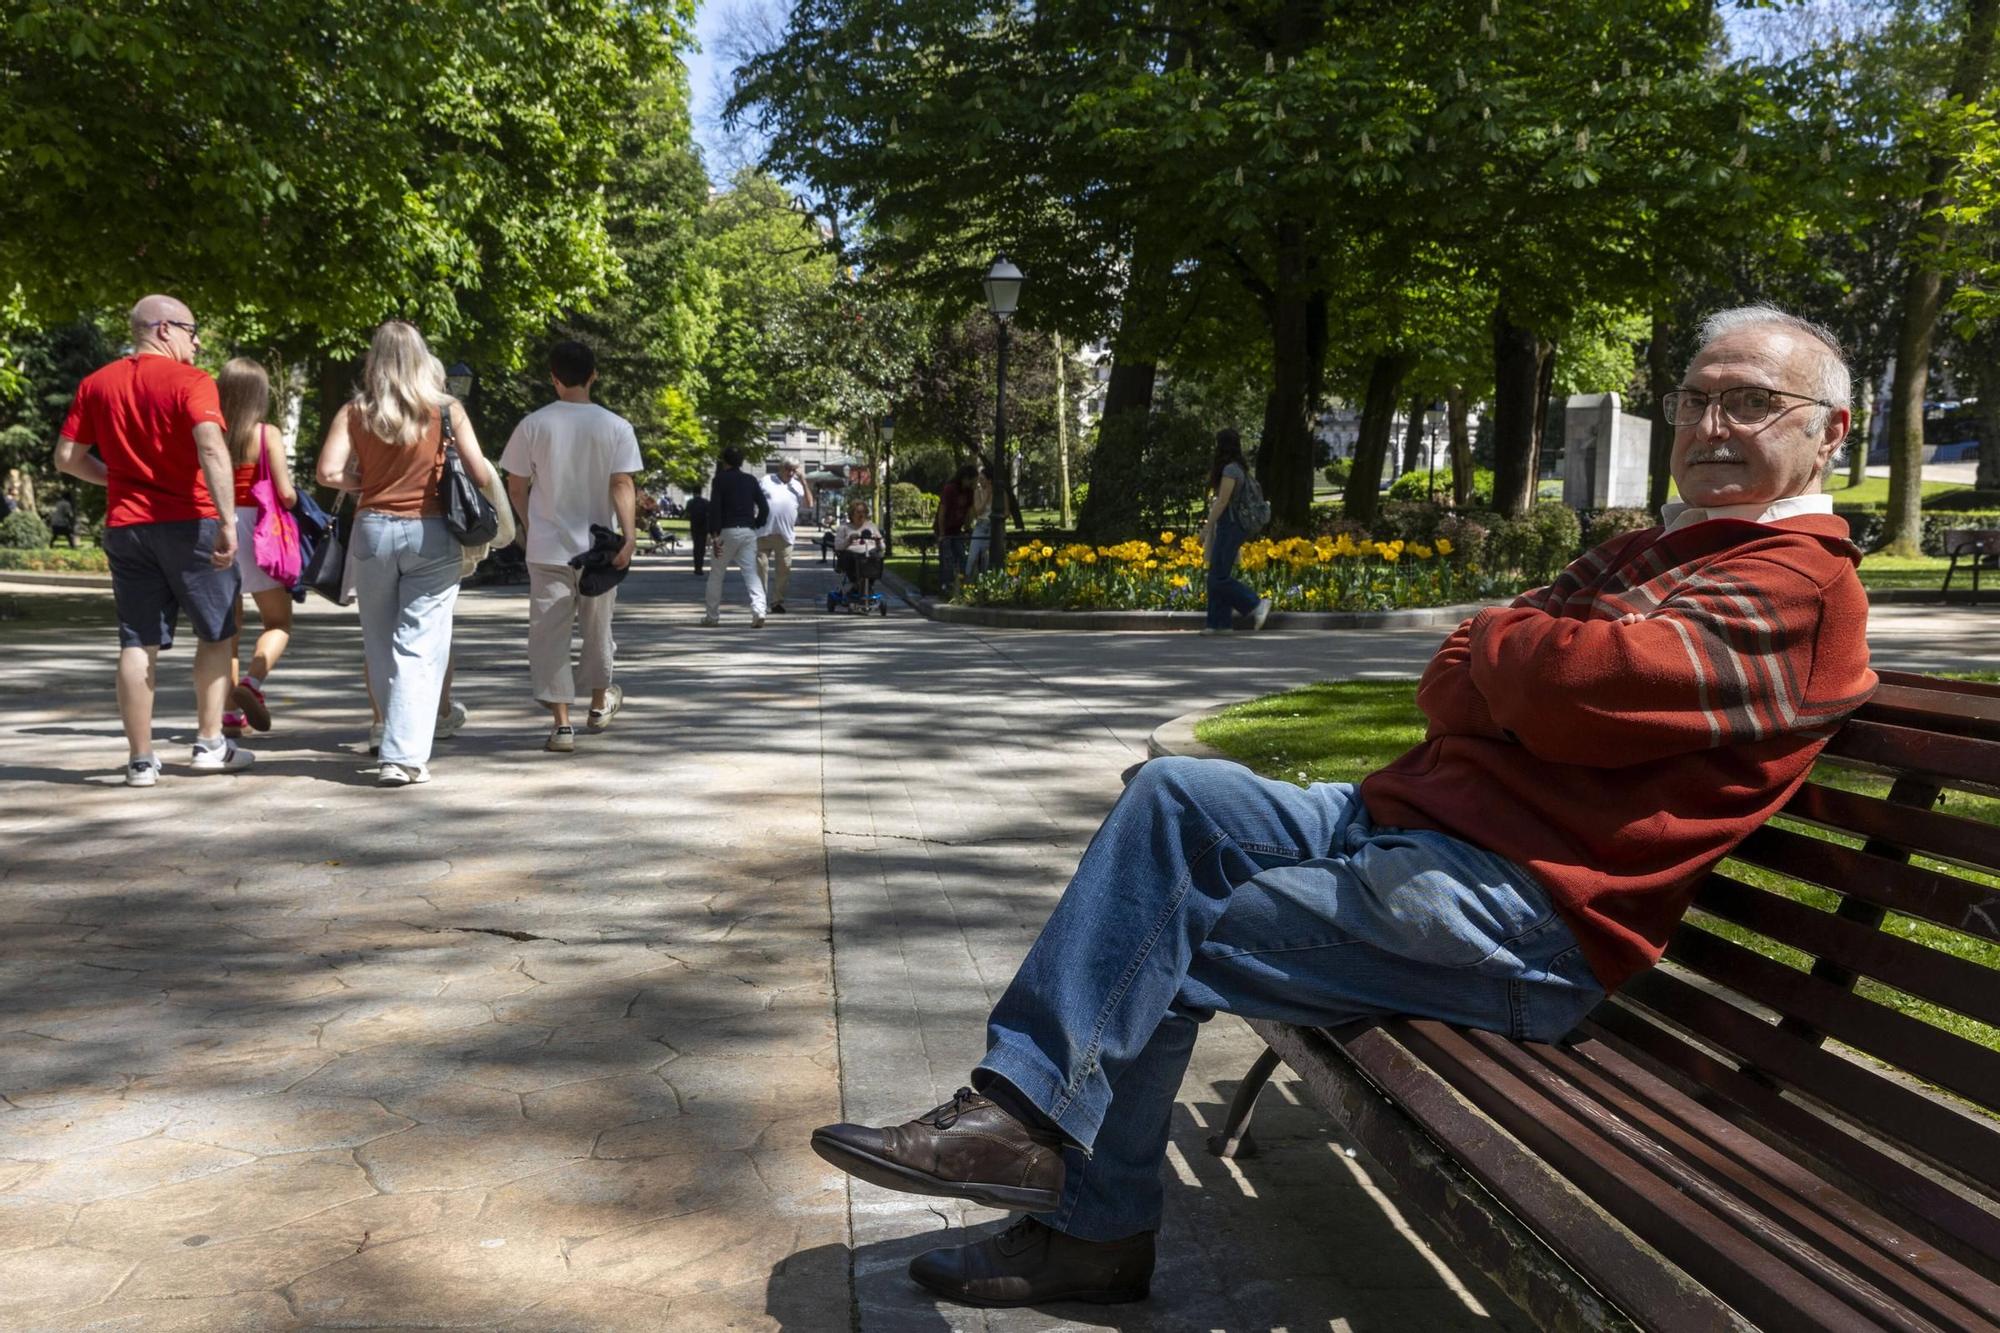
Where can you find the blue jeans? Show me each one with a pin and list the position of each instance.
(1209, 888)
(951, 560)
(1227, 596)
(406, 577)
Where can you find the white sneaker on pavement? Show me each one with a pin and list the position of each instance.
(711, 621)
(143, 771)
(449, 724)
(599, 719)
(227, 757)
(402, 775)
(1259, 614)
(562, 740)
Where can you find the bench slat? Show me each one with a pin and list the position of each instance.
(1667, 1205)
(1942, 687)
(1960, 760)
(1823, 1217)
(1928, 974)
(1965, 711)
(1951, 902)
(1931, 1053)
(1948, 1138)
(1949, 837)
(1615, 1025)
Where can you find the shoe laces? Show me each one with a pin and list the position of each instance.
(1020, 1236)
(945, 1116)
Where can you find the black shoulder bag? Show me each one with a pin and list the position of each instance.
(470, 515)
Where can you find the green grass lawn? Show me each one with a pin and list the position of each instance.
(1921, 571)
(1341, 731)
(1873, 492)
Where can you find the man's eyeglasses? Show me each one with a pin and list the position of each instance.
(1746, 404)
(193, 330)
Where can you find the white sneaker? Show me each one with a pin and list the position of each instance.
(756, 622)
(711, 621)
(562, 740)
(599, 719)
(228, 757)
(449, 724)
(1259, 614)
(143, 771)
(375, 740)
(402, 775)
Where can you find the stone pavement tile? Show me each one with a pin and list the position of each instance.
(241, 1312)
(462, 1154)
(584, 1200)
(704, 1251)
(597, 1307)
(603, 1103)
(452, 1099)
(259, 1196)
(27, 1224)
(288, 1123)
(128, 1168)
(444, 1280)
(48, 1133)
(38, 1283)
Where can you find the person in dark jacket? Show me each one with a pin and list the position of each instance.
(737, 507)
(697, 517)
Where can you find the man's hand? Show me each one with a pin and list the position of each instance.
(224, 554)
(715, 546)
(624, 557)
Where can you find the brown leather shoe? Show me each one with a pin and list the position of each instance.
(1030, 1264)
(966, 1149)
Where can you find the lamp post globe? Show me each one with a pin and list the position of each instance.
(458, 380)
(1003, 283)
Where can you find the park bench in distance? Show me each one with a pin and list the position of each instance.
(1697, 1155)
(1978, 547)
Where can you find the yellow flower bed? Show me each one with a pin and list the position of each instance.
(1296, 573)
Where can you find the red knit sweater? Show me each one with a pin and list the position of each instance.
(1619, 761)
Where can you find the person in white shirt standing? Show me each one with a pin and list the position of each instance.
(570, 465)
(786, 492)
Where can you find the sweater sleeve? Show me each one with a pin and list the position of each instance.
(1725, 660)
(1447, 696)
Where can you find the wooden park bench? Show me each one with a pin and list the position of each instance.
(1978, 547)
(1730, 1141)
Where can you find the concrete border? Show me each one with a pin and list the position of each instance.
(1176, 737)
(48, 578)
(995, 617)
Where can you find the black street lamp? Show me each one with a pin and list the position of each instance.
(458, 380)
(1003, 296)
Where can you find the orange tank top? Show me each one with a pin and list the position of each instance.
(246, 475)
(398, 479)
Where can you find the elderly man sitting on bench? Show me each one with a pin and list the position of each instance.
(1592, 750)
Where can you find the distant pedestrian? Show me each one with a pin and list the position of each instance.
(1222, 538)
(737, 508)
(407, 564)
(571, 465)
(954, 519)
(697, 517)
(62, 520)
(245, 390)
(985, 513)
(785, 493)
(169, 523)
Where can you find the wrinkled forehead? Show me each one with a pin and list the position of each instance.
(1766, 354)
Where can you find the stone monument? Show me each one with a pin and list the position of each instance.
(1604, 453)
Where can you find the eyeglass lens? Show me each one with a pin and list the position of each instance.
(1746, 405)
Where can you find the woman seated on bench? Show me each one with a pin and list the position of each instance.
(1593, 749)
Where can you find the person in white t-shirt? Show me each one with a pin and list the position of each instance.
(786, 492)
(570, 466)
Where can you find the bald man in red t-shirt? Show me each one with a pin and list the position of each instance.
(170, 523)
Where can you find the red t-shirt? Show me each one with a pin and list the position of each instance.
(140, 412)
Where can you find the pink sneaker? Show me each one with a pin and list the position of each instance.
(249, 700)
(234, 724)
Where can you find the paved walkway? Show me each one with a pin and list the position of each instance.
(536, 1047)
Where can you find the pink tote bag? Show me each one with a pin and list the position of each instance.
(275, 539)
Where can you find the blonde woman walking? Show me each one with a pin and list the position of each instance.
(406, 562)
(245, 391)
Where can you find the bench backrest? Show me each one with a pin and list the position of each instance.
(1972, 541)
(1891, 929)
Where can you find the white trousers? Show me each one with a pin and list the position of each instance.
(555, 610)
(739, 548)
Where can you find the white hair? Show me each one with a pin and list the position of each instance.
(1831, 382)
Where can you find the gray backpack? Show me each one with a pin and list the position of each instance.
(1249, 508)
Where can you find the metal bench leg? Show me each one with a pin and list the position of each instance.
(1234, 1140)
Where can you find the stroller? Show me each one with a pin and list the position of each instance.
(860, 572)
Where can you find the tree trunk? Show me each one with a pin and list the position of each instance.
(1857, 434)
(1296, 316)
(1110, 509)
(1371, 444)
(1062, 434)
(1923, 290)
(1660, 378)
(1523, 365)
(1463, 474)
(1413, 435)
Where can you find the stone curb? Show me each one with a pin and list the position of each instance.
(994, 617)
(1176, 737)
(55, 577)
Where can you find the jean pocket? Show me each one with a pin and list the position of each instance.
(1442, 902)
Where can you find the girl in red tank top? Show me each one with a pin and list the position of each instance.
(245, 391)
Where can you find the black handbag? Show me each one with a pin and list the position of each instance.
(326, 568)
(471, 516)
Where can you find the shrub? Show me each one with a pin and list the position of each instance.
(1407, 521)
(1609, 523)
(1337, 472)
(1467, 533)
(912, 505)
(1077, 495)
(84, 559)
(1418, 485)
(24, 530)
(1867, 526)
(1560, 532)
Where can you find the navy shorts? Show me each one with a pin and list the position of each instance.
(159, 570)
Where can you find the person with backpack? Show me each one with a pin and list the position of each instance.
(1238, 511)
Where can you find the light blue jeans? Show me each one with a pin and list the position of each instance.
(1209, 888)
(406, 578)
